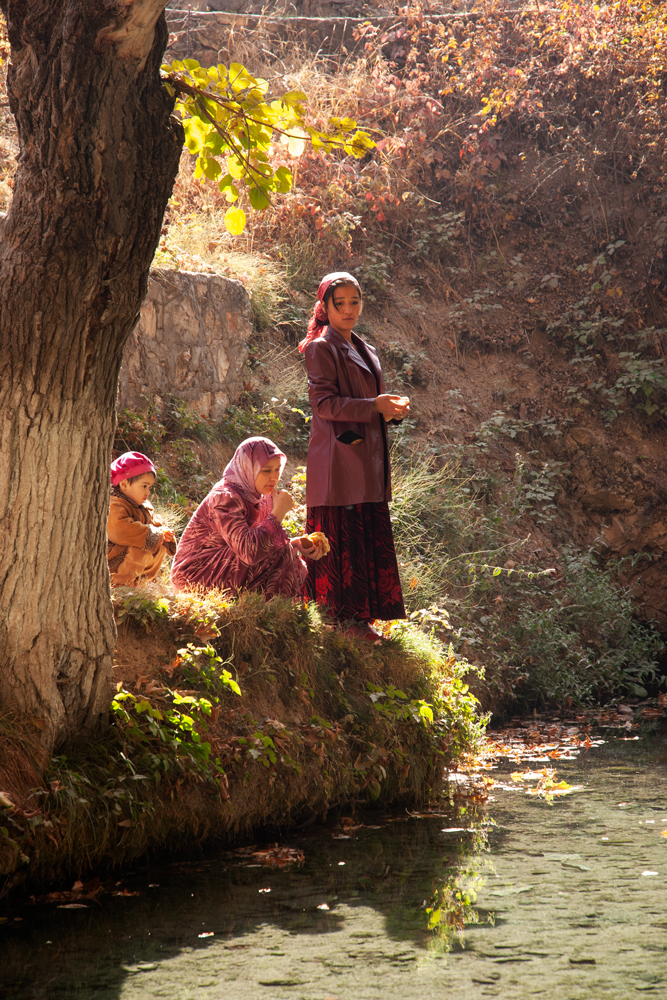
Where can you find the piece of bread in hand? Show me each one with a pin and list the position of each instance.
(319, 536)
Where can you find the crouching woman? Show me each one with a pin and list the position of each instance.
(235, 540)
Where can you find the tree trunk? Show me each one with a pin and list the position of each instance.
(98, 156)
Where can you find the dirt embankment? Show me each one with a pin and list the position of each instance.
(491, 402)
(227, 718)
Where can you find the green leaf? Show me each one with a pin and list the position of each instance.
(227, 679)
(211, 168)
(426, 711)
(295, 141)
(235, 221)
(294, 97)
(215, 143)
(228, 188)
(259, 199)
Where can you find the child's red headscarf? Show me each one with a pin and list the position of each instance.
(319, 320)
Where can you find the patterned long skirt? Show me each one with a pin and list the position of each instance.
(359, 578)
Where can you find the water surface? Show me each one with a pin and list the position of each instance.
(514, 899)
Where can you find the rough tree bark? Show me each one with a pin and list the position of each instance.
(99, 152)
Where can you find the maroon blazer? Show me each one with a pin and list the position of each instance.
(343, 382)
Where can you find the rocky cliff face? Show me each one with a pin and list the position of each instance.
(190, 343)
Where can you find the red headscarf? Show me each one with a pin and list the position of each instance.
(131, 463)
(319, 320)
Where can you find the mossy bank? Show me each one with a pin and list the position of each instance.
(229, 717)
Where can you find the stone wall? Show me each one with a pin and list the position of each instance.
(214, 36)
(190, 342)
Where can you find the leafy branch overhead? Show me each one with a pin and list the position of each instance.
(231, 127)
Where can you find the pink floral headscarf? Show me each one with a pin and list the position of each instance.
(319, 320)
(247, 462)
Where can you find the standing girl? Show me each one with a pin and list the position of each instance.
(348, 482)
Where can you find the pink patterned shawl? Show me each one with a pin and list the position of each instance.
(247, 462)
(234, 541)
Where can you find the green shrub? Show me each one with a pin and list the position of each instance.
(139, 430)
(240, 423)
(374, 273)
(409, 363)
(131, 604)
(184, 420)
(578, 639)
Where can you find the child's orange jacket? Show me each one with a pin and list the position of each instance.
(135, 544)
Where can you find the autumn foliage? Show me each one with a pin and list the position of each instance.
(508, 116)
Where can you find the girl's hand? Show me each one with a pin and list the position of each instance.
(392, 407)
(168, 535)
(282, 502)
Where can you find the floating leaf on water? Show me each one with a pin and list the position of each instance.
(512, 891)
(281, 982)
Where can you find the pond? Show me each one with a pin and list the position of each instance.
(513, 897)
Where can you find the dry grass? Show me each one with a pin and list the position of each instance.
(195, 239)
(22, 759)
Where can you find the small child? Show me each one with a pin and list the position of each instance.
(136, 541)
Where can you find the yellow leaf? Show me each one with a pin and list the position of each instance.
(235, 221)
(295, 141)
(194, 137)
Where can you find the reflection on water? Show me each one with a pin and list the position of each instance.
(517, 899)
